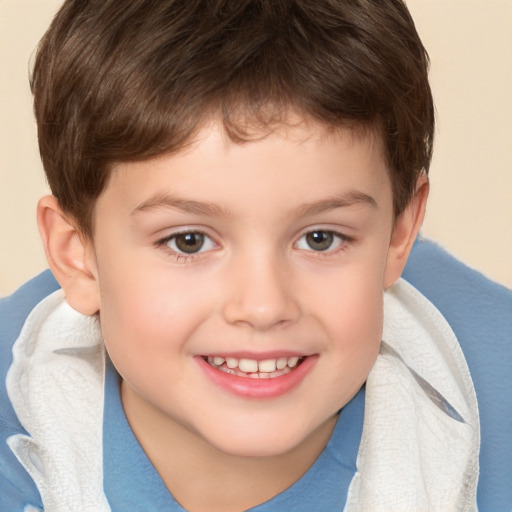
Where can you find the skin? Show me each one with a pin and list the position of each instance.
(256, 287)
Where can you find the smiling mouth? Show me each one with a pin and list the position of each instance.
(251, 368)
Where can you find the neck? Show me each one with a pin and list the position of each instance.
(201, 477)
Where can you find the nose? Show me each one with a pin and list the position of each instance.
(261, 295)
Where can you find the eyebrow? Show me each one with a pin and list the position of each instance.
(182, 204)
(343, 201)
(211, 209)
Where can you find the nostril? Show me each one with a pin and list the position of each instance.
(262, 317)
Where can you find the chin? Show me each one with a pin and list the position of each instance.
(258, 448)
(270, 440)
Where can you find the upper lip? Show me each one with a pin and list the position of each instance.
(259, 356)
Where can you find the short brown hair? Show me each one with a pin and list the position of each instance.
(118, 81)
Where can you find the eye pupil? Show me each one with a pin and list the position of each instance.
(189, 242)
(320, 240)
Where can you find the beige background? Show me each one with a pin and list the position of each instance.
(470, 209)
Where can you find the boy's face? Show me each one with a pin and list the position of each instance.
(245, 256)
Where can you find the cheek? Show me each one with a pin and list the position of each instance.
(129, 332)
(360, 329)
(356, 338)
(143, 339)
(363, 304)
(353, 316)
(148, 314)
(353, 295)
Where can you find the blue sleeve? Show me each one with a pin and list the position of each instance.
(480, 313)
(16, 487)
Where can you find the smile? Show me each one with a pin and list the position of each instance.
(266, 378)
(266, 369)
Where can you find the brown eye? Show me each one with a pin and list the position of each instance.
(189, 243)
(320, 240)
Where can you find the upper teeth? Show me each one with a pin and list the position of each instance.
(252, 365)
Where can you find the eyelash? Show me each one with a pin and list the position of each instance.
(343, 241)
(182, 257)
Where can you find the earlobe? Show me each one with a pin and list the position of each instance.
(404, 233)
(70, 256)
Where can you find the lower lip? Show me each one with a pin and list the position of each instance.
(248, 387)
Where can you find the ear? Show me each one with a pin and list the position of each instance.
(70, 256)
(405, 230)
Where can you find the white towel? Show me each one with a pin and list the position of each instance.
(55, 384)
(421, 436)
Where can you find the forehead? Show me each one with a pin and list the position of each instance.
(296, 162)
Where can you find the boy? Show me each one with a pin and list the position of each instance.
(235, 184)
